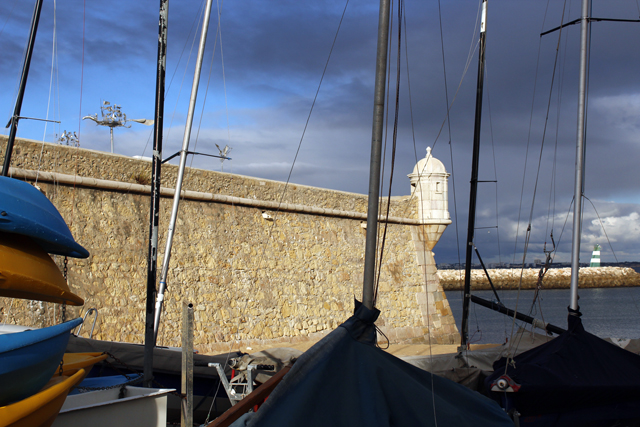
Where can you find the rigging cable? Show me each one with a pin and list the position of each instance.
(528, 230)
(419, 183)
(206, 92)
(542, 144)
(526, 158)
(455, 96)
(194, 26)
(448, 121)
(315, 98)
(449, 106)
(495, 166)
(53, 49)
(262, 256)
(602, 225)
(551, 210)
(495, 181)
(219, 35)
(552, 187)
(53, 72)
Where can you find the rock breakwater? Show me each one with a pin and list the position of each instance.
(555, 278)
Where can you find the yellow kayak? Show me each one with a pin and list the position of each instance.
(41, 409)
(74, 361)
(28, 272)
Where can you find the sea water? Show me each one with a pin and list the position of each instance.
(606, 312)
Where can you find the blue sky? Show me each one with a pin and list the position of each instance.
(274, 54)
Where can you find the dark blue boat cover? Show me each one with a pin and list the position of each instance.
(25, 210)
(345, 380)
(576, 374)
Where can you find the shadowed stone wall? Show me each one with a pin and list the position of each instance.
(253, 280)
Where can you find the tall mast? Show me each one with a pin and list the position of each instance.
(154, 214)
(183, 163)
(579, 172)
(376, 154)
(474, 182)
(23, 83)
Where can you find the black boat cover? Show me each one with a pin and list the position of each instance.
(574, 374)
(345, 380)
(129, 358)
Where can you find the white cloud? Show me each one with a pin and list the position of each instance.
(624, 229)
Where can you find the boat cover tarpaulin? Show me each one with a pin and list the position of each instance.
(471, 367)
(165, 360)
(574, 372)
(345, 380)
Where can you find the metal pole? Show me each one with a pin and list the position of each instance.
(154, 214)
(464, 333)
(579, 172)
(511, 313)
(111, 134)
(183, 163)
(23, 83)
(376, 154)
(186, 406)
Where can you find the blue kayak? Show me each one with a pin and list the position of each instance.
(29, 359)
(25, 210)
(101, 383)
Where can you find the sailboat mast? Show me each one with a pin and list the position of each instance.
(474, 183)
(23, 84)
(579, 172)
(183, 163)
(154, 214)
(376, 155)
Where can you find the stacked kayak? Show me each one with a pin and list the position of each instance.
(31, 228)
(30, 358)
(41, 409)
(34, 378)
(27, 272)
(25, 210)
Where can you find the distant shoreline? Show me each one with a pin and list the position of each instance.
(557, 278)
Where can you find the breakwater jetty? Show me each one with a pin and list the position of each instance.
(555, 278)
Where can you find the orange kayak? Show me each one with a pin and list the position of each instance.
(28, 272)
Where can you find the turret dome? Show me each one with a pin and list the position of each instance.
(427, 166)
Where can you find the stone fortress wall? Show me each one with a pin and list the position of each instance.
(254, 275)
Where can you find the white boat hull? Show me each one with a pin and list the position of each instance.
(141, 407)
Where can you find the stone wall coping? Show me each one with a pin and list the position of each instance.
(201, 196)
(4, 138)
